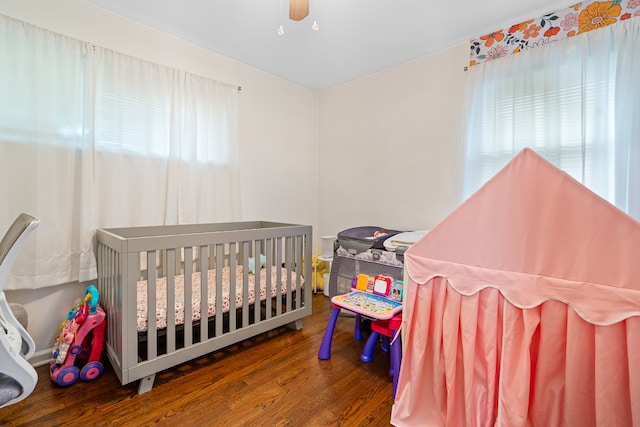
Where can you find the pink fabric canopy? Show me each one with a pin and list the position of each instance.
(522, 308)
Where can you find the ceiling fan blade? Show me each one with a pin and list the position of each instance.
(298, 9)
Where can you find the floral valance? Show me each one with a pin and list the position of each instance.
(577, 19)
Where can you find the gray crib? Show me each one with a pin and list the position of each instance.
(210, 285)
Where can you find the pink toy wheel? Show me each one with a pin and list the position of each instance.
(91, 371)
(67, 376)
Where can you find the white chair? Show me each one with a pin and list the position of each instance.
(17, 376)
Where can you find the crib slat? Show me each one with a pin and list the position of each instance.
(116, 300)
(130, 265)
(204, 292)
(269, 281)
(171, 300)
(245, 284)
(256, 282)
(298, 271)
(289, 265)
(279, 276)
(232, 286)
(152, 328)
(188, 296)
(105, 288)
(219, 258)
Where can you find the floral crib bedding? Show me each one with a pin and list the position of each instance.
(161, 294)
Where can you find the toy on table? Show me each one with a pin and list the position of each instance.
(379, 285)
(397, 290)
(360, 282)
(370, 305)
(382, 285)
(374, 301)
(78, 347)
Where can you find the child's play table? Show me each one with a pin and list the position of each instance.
(361, 303)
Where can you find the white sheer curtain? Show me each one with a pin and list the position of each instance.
(576, 102)
(41, 97)
(165, 143)
(93, 138)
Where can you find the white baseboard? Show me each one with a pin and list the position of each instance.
(41, 358)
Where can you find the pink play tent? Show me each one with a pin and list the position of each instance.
(522, 309)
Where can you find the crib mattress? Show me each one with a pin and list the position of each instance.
(161, 294)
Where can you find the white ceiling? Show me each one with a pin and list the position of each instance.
(356, 37)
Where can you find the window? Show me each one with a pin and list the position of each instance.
(564, 100)
(94, 138)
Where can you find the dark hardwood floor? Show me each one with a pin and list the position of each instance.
(275, 379)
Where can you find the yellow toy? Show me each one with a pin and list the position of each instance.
(320, 268)
(361, 282)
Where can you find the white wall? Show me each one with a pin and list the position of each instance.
(388, 146)
(277, 131)
(391, 145)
